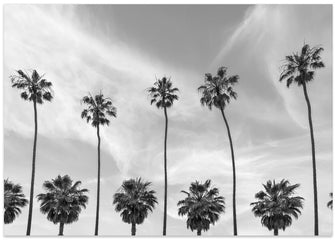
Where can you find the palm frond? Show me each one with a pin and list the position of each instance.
(63, 200)
(276, 206)
(162, 93)
(202, 205)
(299, 67)
(33, 88)
(98, 108)
(218, 90)
(134, 200)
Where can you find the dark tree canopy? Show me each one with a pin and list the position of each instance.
(330, 203)
(98, 109)
(14, 200)
(63, 200)
(218, 90)
(299, 67)
(134, 200)
(276, 205)
(33, 87)
(202, 206)
(162, 93)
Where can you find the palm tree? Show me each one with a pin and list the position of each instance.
(299, 68)
(99, 108)
(14, 199)
(163, 95)
(217, 91)
(63, 201)
(202, 206)
(36, 89)
(330, 203)
(134, 200)
(277, 205)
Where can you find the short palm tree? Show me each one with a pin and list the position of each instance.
(277, 205)
(217, 91)
(134, 200)
(63, 201)
(163, 95)
(36, 89)
(97, 112)
(300, 68)
(330, 203)
(14, 200)
(203, 206)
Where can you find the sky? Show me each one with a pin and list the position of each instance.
(121, 50)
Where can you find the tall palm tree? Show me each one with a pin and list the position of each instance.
(203, 206)
(217, 91)
(163, 95)
(36, 89)
(96, 113)
(134, 200)
(330, 203)
(14, 200)
(63, 201)
(277, 205)
(300, 68)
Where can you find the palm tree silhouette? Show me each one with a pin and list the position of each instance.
(134, 200)
(63, 201)
(36, 89)
(202, 206)
(217, 91)
(99, 108)
(163, 95)
(330, 203)
(299, 68)
(276, 205)
(14, 199)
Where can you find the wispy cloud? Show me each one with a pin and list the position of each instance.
(268, 121)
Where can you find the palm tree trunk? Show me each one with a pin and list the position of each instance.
(165, 173)
(61, 229)
(234, 174)
(31, 199)
(133, 229)
(198, 232)
(98, 187)
(316, 220)
(275, 232)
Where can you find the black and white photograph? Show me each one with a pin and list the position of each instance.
(176, 120)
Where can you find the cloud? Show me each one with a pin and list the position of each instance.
(268, 122)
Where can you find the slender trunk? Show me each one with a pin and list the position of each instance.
(275, 232)
(234, 174)
(31, 199)
(98, 187)
(316, 220)
(61, 229)
(133, 229)
(199, 232)
(165, 173)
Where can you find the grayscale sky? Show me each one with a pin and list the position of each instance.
(120, 50)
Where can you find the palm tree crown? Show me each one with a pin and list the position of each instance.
(218, 90)
(162, 93)
(63, 201)
(299, 67)
(134, 200)
(202, 206)
(98, 107)
(14, 199)
(34, 87)
(330, 203)
(276, 205)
